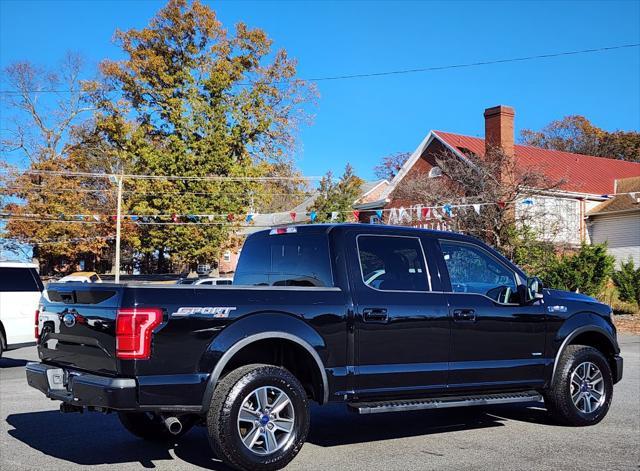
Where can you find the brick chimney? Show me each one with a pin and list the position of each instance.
(498, 128)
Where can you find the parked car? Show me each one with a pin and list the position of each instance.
(214, 281)
(81, 277)
(20, 291)
(449, 323)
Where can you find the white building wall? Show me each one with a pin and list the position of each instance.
(621, 232)
(553, 219)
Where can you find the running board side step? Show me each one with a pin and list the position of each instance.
(443, 402)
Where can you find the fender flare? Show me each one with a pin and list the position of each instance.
(573, 334)
(236, 347)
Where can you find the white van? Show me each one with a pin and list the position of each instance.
(20, 291)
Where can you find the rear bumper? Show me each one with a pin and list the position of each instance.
(619, 368)
(81, 389)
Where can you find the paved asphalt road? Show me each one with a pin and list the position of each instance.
(34, 435)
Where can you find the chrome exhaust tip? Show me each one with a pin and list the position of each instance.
(173, 424)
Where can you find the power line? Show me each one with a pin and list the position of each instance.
(390, 72)
(158, 192)
(163, 177)
(474, 64)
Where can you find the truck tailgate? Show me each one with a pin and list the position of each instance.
(77, 326)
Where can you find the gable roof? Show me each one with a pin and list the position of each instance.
(621, 202)
(581, 173)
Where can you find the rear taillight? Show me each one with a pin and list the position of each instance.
(134, 328)
(37, 320)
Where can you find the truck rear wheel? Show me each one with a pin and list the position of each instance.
(258, 418)
(150, 426)
(582, 389)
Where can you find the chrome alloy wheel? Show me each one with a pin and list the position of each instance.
(587, 387)
(266, 420)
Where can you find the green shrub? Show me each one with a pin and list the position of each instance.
(627, 280)
(586, 271)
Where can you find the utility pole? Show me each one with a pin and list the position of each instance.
(118, 221)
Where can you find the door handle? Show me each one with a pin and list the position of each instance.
(375, 314)
(464, 315)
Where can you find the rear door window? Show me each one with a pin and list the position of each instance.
(391, 263)
(16, 279)
(285, 260)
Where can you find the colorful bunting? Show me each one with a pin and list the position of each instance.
(379, 213)
(313, 215)
(293, 215)
(501, 204)
(527, 202)
(230, 217)
(476, 208)
(425, 213)
(448, 210)
(356, 214)
(249, 217)
(334, 215)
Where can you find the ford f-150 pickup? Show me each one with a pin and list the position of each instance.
(381, 318)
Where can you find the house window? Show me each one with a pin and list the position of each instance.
(227, 256)
(435, 172)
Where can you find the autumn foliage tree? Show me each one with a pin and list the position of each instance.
(193, 99)
(190, 99)
(577, 134)
(43, 109)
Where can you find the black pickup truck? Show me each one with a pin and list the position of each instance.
(382, 318)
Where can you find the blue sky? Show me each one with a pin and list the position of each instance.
(361, 120)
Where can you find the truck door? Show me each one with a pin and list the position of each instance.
(401, 325)
(495, 340)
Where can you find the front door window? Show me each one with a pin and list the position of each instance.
(472, 270)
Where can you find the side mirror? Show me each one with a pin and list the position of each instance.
(532, 291)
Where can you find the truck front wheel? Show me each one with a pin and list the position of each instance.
(258, 418)
(582, 388)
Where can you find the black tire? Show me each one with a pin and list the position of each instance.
(222, 417)
(149, 426)
(558, 398)
(2, 343)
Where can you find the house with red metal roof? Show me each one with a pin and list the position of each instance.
(583, 181)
